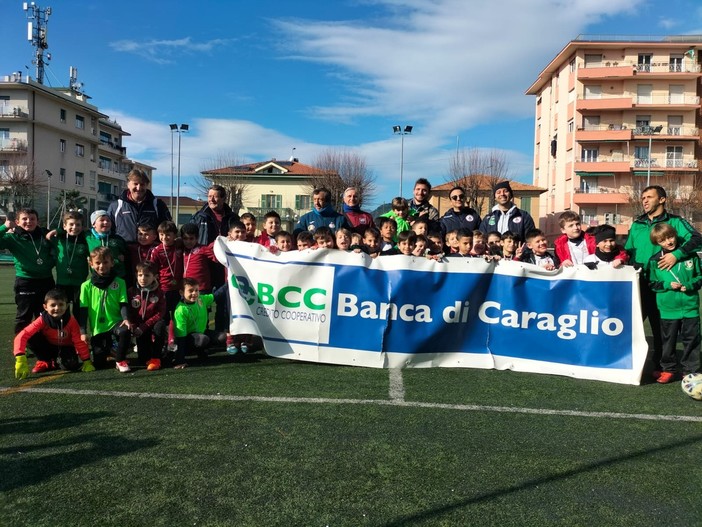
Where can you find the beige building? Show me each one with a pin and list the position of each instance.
(612, 116)
(56, 131)
(283, 186)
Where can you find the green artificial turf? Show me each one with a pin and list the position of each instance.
(99, 459)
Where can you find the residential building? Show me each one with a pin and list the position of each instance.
(613, 115)
(54, 140)
(479, 192)
(283, 186)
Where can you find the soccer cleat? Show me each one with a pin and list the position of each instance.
(232, 349)
(153, 364)
(123, 366)
(666, 377)
(244, 347)
(655, 374)
(41, 366)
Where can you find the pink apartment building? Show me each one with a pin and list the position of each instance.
(613, 115)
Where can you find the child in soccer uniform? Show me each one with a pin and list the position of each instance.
(34, 260)
(371, 241)
(538, 251)
(196, 258)
(103, 311)
(190, 323)
(406, 241)
(512, 248)
(324, 237)
(400, 213)
(141, 250)
(464, 244)
(241, 342)
(343, 239)
(71, 251)
(54, 336)
(283, 240)
(574, 244)
(304, 240)
(101, 235)
(147, 315)
(168, 258)
(271, 227)
(249, 222)
(678, 299)
(606, 249)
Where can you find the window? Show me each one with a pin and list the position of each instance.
(80, 122)
(105, 163)
(591, 122)
(675, 124)
(62, 115)
(593, 61)
(675, 63)
(641, 156)
(80, 150)
(589, 155)
(572, 65)
(62, 145)
(105, 138)
(104, 188)
(674, 156)
(271, 201)
(644, 94)
(62, 175)
(303, 202)
(571, 126)
(4, 167)
(644, 63)
(526, 203)
(79, 179)
(676, 94)
(92, 178)
(593, 92)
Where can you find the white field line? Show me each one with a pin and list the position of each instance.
(397, 386)
(377, 402)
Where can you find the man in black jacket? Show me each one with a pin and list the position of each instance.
(213, 219)
(459, 216)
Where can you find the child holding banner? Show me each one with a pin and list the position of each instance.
(677, 296)
(574, 245)
(539, 253)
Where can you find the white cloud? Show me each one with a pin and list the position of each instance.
(165, 51)
(450, 63)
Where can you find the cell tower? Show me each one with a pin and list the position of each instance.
(36, 34)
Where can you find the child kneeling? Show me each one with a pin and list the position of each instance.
(54, 336)
(190, 323)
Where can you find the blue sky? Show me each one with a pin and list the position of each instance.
(256, 79)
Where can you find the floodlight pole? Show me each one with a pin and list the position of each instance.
(402, 132)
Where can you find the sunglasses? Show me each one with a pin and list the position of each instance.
(462, 196)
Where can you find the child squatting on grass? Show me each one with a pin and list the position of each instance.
(55, 339)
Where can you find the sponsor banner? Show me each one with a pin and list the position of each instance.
(396, 311)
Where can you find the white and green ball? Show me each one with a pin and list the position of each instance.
(692, 385)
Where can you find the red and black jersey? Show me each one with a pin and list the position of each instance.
(59, 332)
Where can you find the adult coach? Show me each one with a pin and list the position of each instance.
(459, 216)
(641, 248)
(214, 217)
(357, 218)
(420, 208)
(505, 215)
(136, 206)
(323, 214)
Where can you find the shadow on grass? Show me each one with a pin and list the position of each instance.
(434, 514)
(26, 465)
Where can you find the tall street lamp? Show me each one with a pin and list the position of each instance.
(180, 130)
(48, 198)
(402, 132)
(650, 130)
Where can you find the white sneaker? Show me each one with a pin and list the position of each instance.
(123, 366)
(244, 348)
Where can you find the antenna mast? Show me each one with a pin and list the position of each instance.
(36, 34)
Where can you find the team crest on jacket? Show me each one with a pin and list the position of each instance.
(136, 302)
(153, 299)
(518, 219)
(310, 227)
(469, 217)
(689, 264)
(362, 220)
(331, 225)
(114, 286)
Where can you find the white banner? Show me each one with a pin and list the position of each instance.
(336, 307)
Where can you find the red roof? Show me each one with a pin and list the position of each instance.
(287, 167)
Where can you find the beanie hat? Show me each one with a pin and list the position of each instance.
(97, 214)
(604, 232)
(504, 185)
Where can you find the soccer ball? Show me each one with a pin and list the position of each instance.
(692, 385)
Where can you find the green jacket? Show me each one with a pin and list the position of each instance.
(71, 258)
(34, 256)
(676, 304)
(118, 248)
(641, 248)
(402, 224)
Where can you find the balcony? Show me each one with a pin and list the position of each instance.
(668, 132)
(603, 164)
(667, 100)
(14, 112)
(678, 163)
(13, 145)
(609, 70)
(612, 132)
(604, 103)
(600, 195)
(666, 69)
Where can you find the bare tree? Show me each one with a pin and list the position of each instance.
(342, 169)
(478, 171)
(235, 185)
(18, 184)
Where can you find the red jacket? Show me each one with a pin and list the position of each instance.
(68, 335)
(169, 260)
(146, 306)
(359, 221)
(140, 253)
(265, 240)
(563, 252)
(196, 264)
